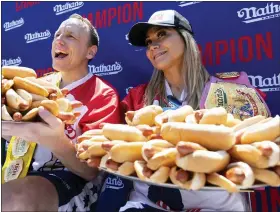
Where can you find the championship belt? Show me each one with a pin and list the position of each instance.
(239, 99)
(20, 152)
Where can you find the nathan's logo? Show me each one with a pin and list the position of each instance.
(221, 97)
(114, 183)
(254, 14)
(67, 7)
(13, 24)
(185, 4)
(266, 84)
(105, 69)
(11, 62)
(33, 37)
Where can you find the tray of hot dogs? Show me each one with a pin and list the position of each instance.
(22, 93)
(188, 149)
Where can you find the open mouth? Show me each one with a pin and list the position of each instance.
(159, 54)
(60, 54)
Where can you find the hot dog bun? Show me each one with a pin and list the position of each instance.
(145, 115)
(248, 122)
(6, 85)
(123, 132)
(30, 115)
(15, 101)
(262, 154)
(5, 114)
(165, 157)
(267, 176)
(93, 149)
(154, 146)
(159, 176)
(31, 87)
(51, 106)
(266, 131)
(241, 174)
(9, 72)
(125, 169)
(127, 152)
(217, 115)
(202, 161)
(211, 137)
(187, 180)
(222, 181)
(231, 121)
(180, 114)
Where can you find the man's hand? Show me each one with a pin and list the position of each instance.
(46, 134)
(51, 135)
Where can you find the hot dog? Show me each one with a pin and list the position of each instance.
(165, 157)
(144, 173)
(190, 119)
(178, 115)
(30, 115)
(25, 95)
(231, 121)
(89, 134)
(236, 174)
(51, 106)
(222, 181)
(162, 118)
(248, 122)
(6, 85)
(240, 173)
(266, 176)
(5, 114)
(127, 152)
(262, 154)
(17, 116)
(217, 115)
(47, 85)
(193, 157)
(211, 137)
(145, 115)
(269, 130)
(123, 132)
(9, 72)
(15, 101)
(125, 169)
(187, 180)
(31, 87)
(152, 147)
(88, 149)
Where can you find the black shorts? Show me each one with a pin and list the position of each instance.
(75, 193)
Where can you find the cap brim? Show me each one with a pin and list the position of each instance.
(137, 33)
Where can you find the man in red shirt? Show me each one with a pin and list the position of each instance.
(56, 179)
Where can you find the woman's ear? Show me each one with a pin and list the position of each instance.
(91, 52)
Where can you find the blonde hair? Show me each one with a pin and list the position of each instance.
(193, 72)
(94, 38)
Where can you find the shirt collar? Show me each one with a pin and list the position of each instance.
(183, 95)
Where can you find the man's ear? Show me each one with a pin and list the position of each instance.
(91, 52)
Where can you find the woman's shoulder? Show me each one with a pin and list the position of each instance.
(138, 89)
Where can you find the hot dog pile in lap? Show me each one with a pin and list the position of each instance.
(188, 148)
(22, 93)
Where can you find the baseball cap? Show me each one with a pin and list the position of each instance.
(168, 18)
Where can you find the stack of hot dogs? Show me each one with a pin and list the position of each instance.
(22, 93)
(188, 148)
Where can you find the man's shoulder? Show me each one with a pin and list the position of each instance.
(106, 86)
